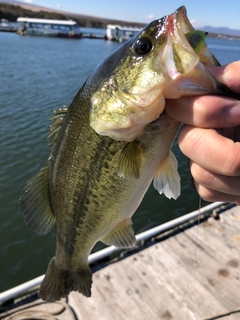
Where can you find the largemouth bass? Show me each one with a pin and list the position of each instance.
(93, 184)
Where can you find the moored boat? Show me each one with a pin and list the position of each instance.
(49, 28)
(7, 26)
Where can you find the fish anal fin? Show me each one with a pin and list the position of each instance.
(122, 236)
(167, 179)
(58, 283)
(35, 203)
(57, 121)
(129, 161)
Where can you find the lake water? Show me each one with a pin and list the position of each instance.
(39, 75)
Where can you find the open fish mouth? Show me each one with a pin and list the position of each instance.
(178, 23)
(179, 53)
(184, 33)
(182, 22)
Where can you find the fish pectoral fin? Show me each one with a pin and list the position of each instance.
(122, 236)
(167, 179)
(35, 203)
(129, 161)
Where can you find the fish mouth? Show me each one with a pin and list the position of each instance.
(182, 22)
(178, 55)
(178, 24)
(178, 27)
(185, 56)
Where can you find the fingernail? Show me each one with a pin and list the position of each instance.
(233, 114)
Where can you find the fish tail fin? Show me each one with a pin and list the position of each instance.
(58, 283)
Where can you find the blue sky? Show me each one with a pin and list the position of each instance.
(217, 13)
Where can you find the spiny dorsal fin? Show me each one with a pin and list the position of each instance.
(35, 203)
(122, 236)
(57, 121)
(129, 161)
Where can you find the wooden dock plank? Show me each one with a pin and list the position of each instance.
(191, 275)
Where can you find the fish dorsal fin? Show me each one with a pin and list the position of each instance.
(167, 179)
(35, 203)
(57, 121)
(122, 236)
(129, 161)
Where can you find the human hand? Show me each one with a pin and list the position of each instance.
(211, 137)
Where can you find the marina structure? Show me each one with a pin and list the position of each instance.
(67, 29)
(120, 33)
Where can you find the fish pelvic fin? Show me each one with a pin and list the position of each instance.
(129, 161)
(58, 283)
(167, 179)
(122, 236)
(35, 205)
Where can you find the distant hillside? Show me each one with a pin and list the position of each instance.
(12, 9)
(222, 30)
(12, 12)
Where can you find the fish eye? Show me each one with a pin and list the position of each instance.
(142, 46)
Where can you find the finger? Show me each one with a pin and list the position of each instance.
(228, 75)
(212, 195)
(211, 150)
(214, 181)
(210, 111)
(205, 111)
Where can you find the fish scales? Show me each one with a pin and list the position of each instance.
(82, 186)
(111, 143)
(92, 184)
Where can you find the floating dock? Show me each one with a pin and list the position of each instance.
(191, 271)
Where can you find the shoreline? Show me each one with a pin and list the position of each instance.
(222, 36)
